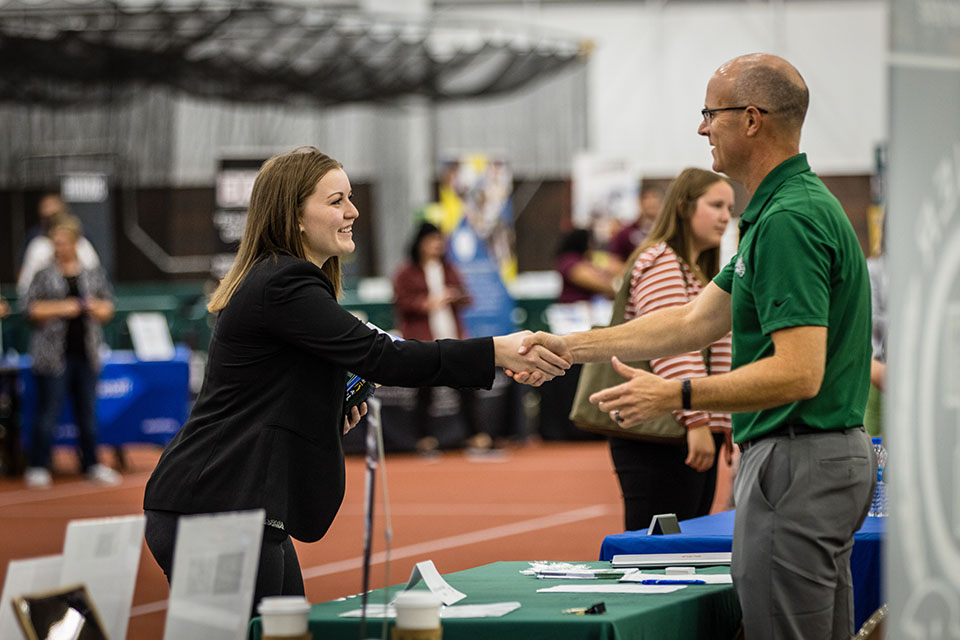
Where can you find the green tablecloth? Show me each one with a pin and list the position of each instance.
(697, 611)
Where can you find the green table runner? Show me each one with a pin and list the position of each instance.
(698, 611)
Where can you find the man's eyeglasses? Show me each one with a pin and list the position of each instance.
(708, 113)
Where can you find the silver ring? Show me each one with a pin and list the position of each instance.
(616, 416)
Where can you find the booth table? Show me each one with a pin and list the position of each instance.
(715, 533)
(137, 401)
(697, 611)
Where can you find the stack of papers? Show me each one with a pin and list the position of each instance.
(585, 574)
(540, 566)
(568, 571)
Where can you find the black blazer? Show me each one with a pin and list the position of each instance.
(265, 430)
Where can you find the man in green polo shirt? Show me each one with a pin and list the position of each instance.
(797, 299)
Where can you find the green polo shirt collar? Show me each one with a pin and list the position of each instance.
(782, 172)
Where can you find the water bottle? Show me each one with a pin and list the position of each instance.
(878, 506)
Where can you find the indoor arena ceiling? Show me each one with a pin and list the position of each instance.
(81, 51)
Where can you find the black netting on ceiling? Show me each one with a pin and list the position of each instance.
(91, 50)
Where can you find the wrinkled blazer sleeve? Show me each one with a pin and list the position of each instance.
(300, 310)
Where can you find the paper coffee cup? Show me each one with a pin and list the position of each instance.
(284, 616)
(417, 610)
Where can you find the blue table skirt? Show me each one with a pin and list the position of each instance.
(137, 401)
(715, 533)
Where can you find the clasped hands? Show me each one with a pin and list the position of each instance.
(526, 361)
(642, 396)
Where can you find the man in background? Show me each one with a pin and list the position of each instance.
(38, 251)
(630, 237)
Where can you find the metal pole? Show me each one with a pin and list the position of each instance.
(372, 461)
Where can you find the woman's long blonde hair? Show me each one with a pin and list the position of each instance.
(673, 222)
(283, 184)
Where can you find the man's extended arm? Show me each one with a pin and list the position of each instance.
(667, 332)
(794, 372)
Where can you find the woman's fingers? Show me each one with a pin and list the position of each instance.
(353, 417)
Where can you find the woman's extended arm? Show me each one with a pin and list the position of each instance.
(299, 309)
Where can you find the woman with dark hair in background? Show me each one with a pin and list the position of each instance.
(265, 430)
(679, 257)
(428, 296)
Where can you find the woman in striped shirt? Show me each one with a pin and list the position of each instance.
(679, 257)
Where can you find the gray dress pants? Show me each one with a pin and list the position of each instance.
(799, 500)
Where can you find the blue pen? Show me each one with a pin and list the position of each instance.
(672, 582)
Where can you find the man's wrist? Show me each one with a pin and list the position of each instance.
(572, 346)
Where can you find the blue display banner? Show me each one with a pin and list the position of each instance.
(136, 401)
(476, 213)
(490, 313)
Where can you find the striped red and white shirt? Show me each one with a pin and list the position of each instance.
(657, 282)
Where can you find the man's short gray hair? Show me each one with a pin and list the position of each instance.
(769, 88)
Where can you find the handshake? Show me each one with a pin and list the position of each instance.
(535, 358)
(532, 358)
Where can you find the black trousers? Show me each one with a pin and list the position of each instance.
(79, 382)
(654, 479)
(279, 570)
(421, 414)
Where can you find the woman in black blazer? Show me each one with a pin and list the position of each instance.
(265, 429)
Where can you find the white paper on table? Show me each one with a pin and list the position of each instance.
(214, 574)
(104, 555)
(150, 336)
(708, 578)
(492, 610)
(613, 588)
(34, 575)
(427, 572)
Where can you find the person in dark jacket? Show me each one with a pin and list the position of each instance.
(265, 430)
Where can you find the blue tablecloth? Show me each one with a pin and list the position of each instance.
(715, 533)
(137, 401)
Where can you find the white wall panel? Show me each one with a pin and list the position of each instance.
(649, 70)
